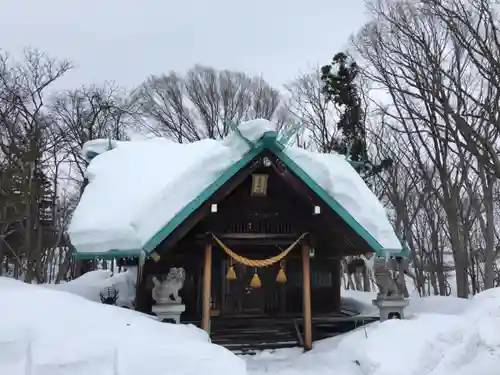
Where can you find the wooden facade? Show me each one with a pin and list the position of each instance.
(259, 212)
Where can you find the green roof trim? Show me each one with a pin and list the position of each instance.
(270, 142)
(107, 254)
(341, 211)
(205, 195)
(332, 203)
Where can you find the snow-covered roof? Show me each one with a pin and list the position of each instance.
(139, 188)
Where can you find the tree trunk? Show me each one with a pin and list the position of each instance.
(489, 235)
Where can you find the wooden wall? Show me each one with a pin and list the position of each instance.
(282, 215)
(277, 299)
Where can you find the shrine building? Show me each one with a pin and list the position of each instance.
(258, 227)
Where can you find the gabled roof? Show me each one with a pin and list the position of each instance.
(171, 181)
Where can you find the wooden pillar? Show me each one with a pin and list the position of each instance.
(82, 267)
(336, 269)
(139, 284)
(207, 286)
(306, 287)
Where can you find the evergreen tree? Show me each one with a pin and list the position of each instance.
(340, 88)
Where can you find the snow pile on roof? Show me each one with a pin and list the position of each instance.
(343, 183)
(97, 146)
(138, 187)
(462, 341)
(45, 332)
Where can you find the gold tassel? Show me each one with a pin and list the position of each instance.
(231, 274)
(281, 277)
(255, 282)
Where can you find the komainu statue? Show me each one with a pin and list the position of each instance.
(402, 266)
(387, 285)
(167, 290)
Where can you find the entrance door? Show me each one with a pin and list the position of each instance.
(241, 298)
(252, 299)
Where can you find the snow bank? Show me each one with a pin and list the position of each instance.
(90, 284)
(361, 302)
(444, 336)
(138, 187)
(57, 333)
(438, 305)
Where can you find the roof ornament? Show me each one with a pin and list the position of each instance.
(359, 166)
(289, 132)
(235, 127)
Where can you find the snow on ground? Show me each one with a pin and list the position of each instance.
(127, 201)
(443, 336)
(57, 333)
(47, 332)
(361, 302)
(90, 284)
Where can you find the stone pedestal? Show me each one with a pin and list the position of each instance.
(171, 312)
(391, 308)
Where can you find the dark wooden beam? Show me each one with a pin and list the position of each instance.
(299, 187)
(338, 231)
(251, 236)
(336, 270)
(204, 210)
(241, 243)
(138, 282)
(328, 219)
(207, 288)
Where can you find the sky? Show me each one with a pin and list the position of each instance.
(125, 41)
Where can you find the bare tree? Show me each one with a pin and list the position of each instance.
(204, 104)
(308, 105)
(386, 51)
(429, 81)
(24, 143)
(86, 114)
(474, 27)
